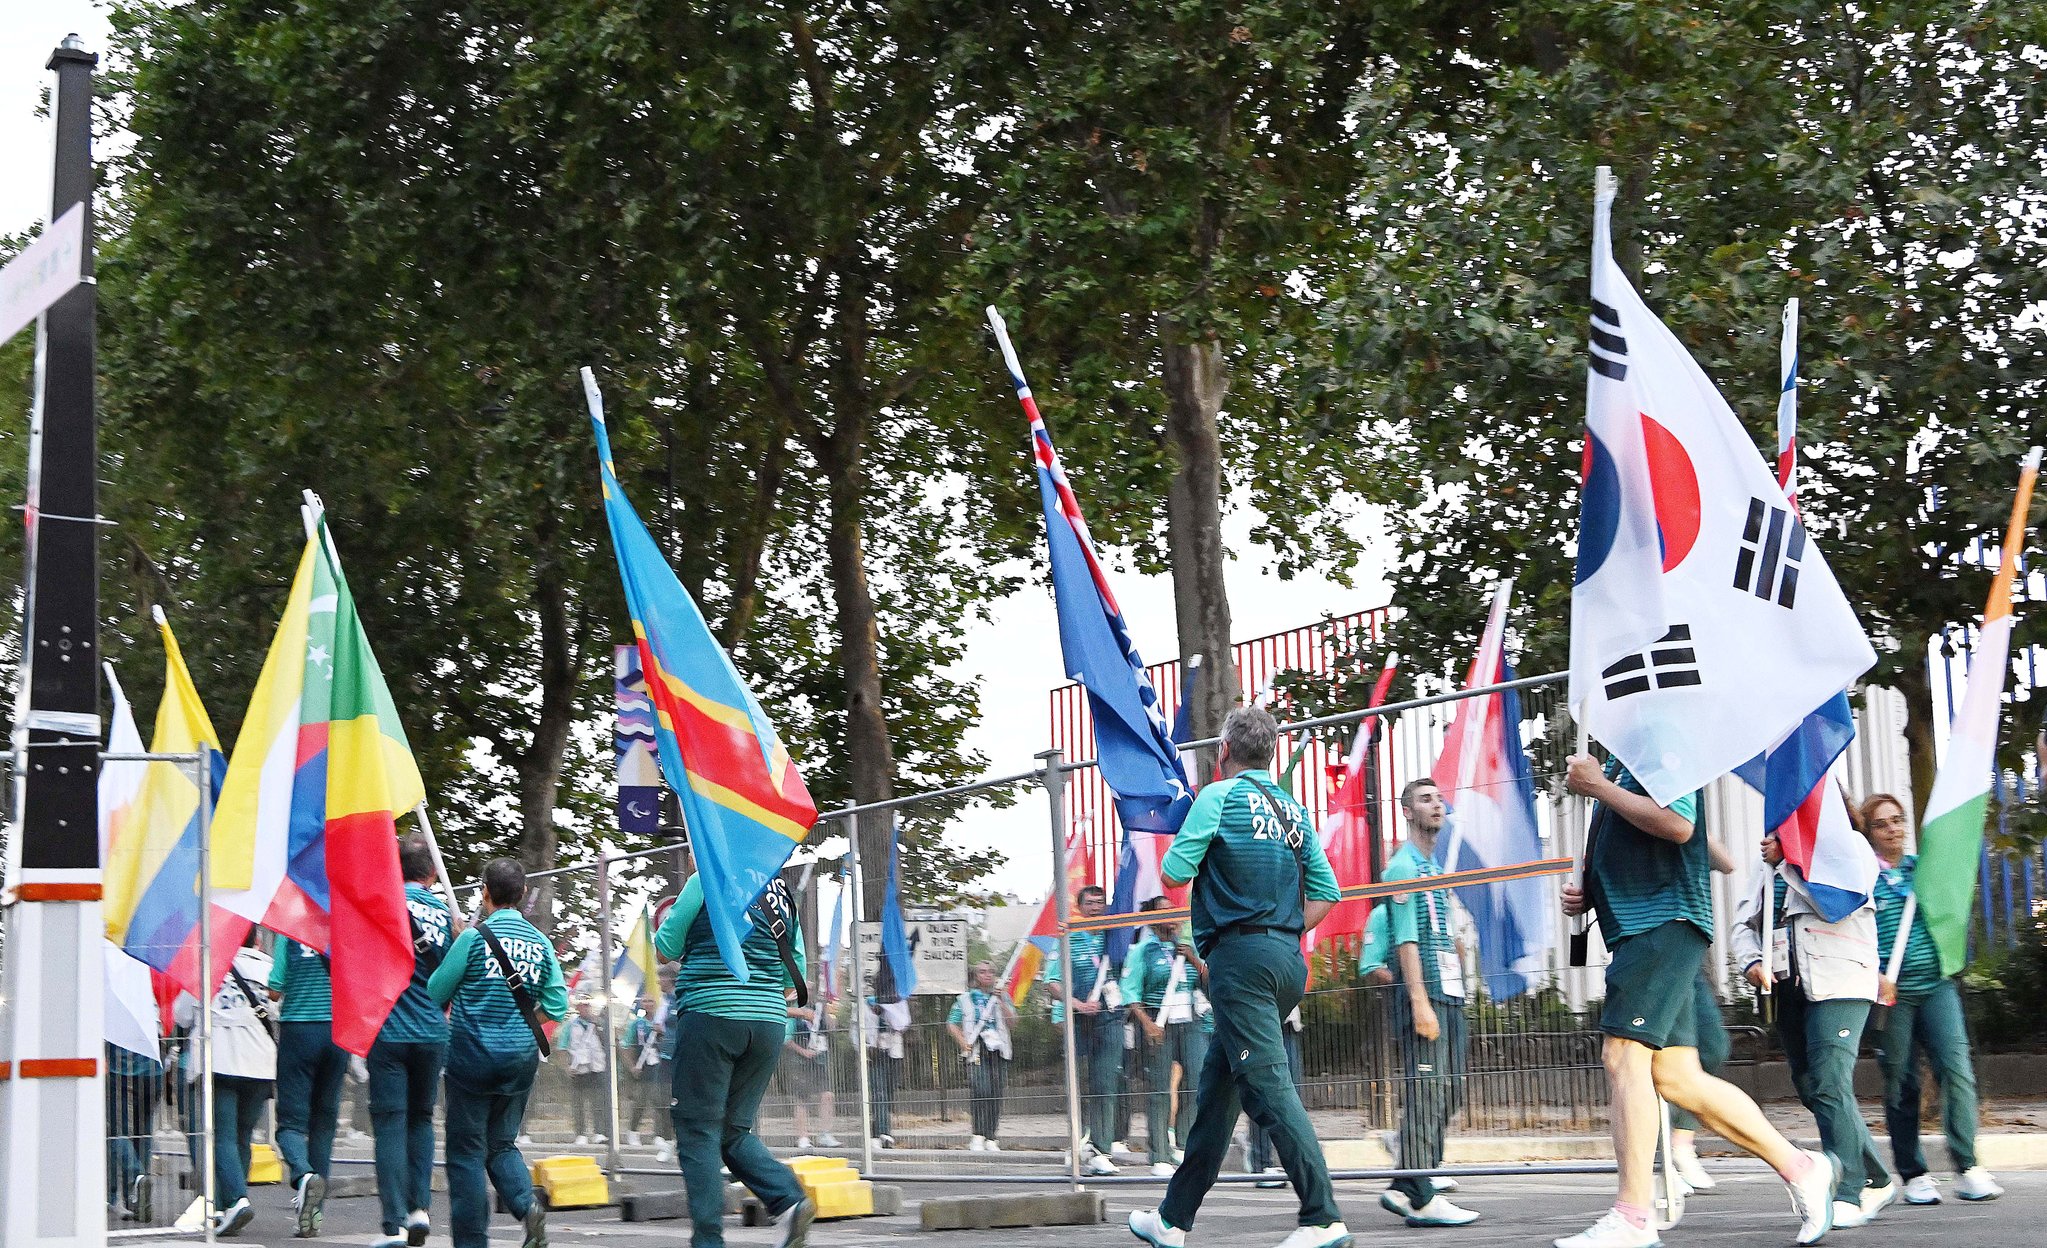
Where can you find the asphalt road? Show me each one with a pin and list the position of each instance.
(1749, 1208)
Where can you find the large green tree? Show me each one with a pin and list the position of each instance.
(1878, 162)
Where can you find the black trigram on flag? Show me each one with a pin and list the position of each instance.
(1667, 664)
(1772, 543)
(1606, 338)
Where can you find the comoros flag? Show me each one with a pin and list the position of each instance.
(1705, 624)
(305, 839)
(1486, 781)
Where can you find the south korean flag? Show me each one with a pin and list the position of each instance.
(1705, 625)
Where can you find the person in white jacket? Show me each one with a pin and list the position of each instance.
(587, 1084)
(244, 1072)
(1823, 977)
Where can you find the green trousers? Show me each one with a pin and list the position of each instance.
(1931, 1023)
(1821, 1039)
(1714, 1045)
(722, 1069)
(1255, 981)
(1182, 1043)
(1430, 1071)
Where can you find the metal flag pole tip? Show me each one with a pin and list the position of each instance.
(1603, 183)
(2032, 463)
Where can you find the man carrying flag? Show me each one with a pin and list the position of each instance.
(1705, 630)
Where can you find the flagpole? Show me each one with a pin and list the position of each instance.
(433, 848)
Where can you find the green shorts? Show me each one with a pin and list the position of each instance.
(1649, 987)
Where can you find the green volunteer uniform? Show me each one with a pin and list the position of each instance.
(1424, 919)
(1654, 899)
(979, 1018)
(1375, 950)
(1927, 1018)
(728, 1036)
(1253, 856)
(310, 1066)
(492, 1057)
(1097, 1036)
(1156, 976)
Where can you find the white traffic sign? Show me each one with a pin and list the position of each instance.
(938, 949)
(43, 273)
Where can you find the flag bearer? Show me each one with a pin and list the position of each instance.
(494, 1031)
(1260, 879)
(310, 1071)
(728, 1035)
(1428, 1011)
(1646, 877)
(1925, 1017)
(1096, 1001)
(1824, 982)
(979, 1024)
(1161, 978)
(405, 1062)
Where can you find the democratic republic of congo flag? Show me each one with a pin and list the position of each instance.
(742, 798)
(152, 864)
(1951, 836)
(305, 839)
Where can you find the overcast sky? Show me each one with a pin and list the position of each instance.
(1016, 658)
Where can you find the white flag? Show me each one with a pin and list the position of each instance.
(1704, 623)
(131, 1017)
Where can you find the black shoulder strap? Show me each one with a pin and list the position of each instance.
(1293, 829)
(259, 1004)
(521, 994)
(773, 912)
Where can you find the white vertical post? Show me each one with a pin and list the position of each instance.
(1055, 795)
(203, 774)
(856, 995)
(604, 957)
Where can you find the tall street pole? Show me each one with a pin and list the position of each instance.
(52, 1150)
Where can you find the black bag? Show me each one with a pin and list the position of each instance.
(774, 912)
(261, 1005)
(521, 994)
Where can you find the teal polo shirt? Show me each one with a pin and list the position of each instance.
(484, 1012)
(1637, 882)
(414, 1018)
(1375, 948)
(301, 974)
(1088, 950)
(704, 985)
(1253, 855)
(1422, 919)
(1921, 970)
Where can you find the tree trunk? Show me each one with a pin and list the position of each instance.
(540, 768)
(870, 759)
(1196, 380)
(1912, 681)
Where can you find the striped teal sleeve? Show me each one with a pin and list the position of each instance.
(674, 931)
(553, 997)
(1190, 843)
(448, 975)
(276, 981)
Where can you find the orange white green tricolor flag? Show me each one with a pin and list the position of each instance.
(742, 798)
(305, 839)
(1951, 836)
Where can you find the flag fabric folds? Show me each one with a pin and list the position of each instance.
(1348, 829)
(1787, 406)
(1133, 746)
(1951, 834)
(896, 977)
(152, 858)
(305, 838)
(742, 798)
(1490, 790)
(1138, 878)
(1042, 944)
(130, 1003)
(1809, 817)
(1705, 624)
(635, 973)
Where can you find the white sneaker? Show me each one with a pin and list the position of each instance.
(877, 1143)
(1877, 1199)
(1920, 1190)
(632, 1140)
(1812, 1196)
(1613, 1231)
(1444, 1184)
(1396, 1202)
(233, 1218)
(990, 1146)
(1689, 1169)
(1099, 1165)
(1334, 1235)
(1162, 1169)
(417, 1226)
(887, 1140)
(356, 1135)
(597, 1139)
(1848, 1215)
(1440, 1212)
(664, 1152)
(582, 1141)
(1121, 1151)
(976, 1143)
(1976, 1183)
(824, 1140)
(803, 1141)
(794, 1223)
(1148, 1226)
(1271, 1176)
(525, 1141)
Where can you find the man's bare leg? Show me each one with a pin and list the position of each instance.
(1729, 1111)
(1636, 1120)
